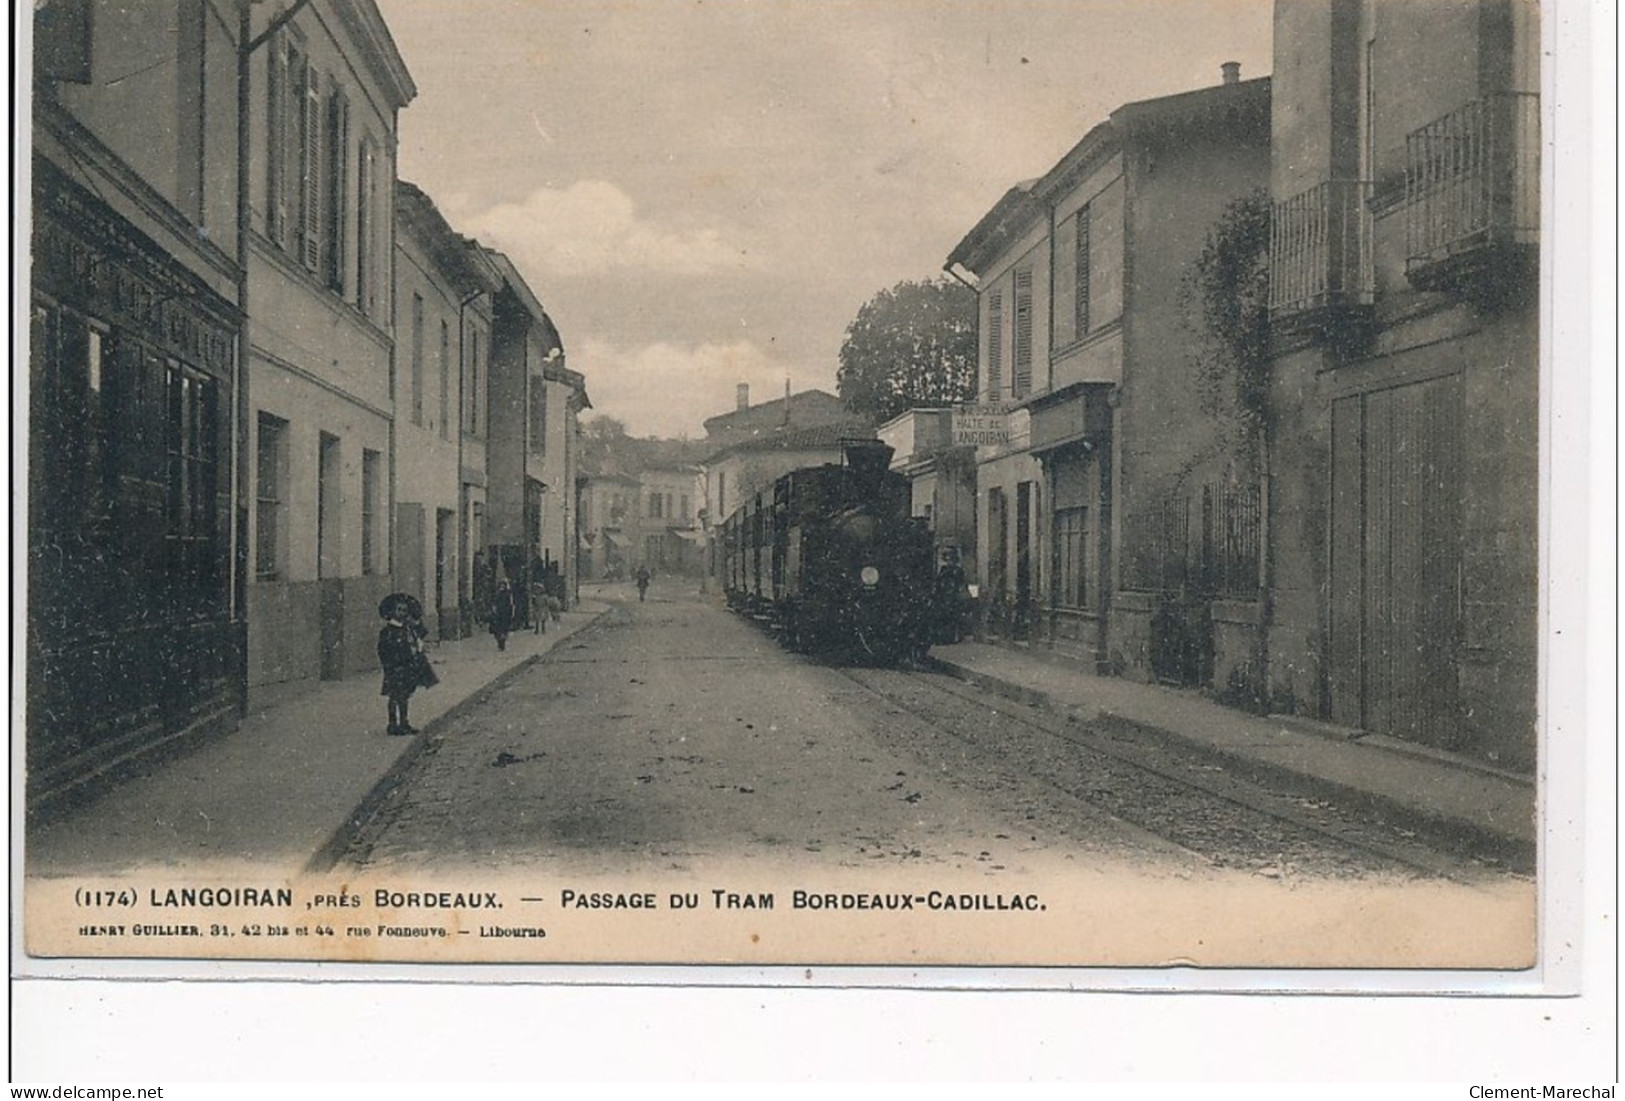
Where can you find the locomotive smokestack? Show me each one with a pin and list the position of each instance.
(742, 396)
(1231, 72)
(867, 457)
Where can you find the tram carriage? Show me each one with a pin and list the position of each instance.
(830, 558)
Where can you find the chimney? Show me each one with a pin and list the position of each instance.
(787, 401)
(1231, 71)
(742, 396)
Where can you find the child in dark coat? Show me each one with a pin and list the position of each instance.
(504, 614)
(400, 654)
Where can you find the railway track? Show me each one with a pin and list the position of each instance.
(1143, 779)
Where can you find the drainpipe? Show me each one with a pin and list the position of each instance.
(236, 613)
(463, 545)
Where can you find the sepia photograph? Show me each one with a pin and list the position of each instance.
(987, 484)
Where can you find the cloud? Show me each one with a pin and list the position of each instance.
(592, 227)
(667, 390)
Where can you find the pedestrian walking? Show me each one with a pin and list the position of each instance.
(406, 666)
(538, 593)
(643, 581)
(949, 598)
(503, 614)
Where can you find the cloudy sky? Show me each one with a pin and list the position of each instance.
(703, 192)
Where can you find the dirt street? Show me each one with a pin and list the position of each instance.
(677, 737)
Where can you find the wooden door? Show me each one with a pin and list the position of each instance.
(1396, 561)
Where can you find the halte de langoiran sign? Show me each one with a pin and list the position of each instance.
(980, 424)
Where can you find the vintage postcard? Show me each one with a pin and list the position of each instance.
(848, 483)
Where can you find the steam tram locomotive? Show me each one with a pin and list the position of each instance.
(830, 557)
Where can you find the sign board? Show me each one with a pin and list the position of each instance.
(981, 424)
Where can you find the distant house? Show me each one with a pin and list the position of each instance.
(534, 437)
(671, 535)
(443, 290)
(1085, 526)
(737, 471)
(793, 411)
(608, 525)
(942, 477)
(326, 91)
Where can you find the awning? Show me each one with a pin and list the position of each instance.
(696, 537)
(616, 539)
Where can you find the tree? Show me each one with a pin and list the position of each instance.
(603, 439)
(913, 346)
(1227, 296)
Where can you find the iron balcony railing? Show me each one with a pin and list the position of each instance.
(1472, 179)
(1320, 249)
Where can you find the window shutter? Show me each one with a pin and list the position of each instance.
(310, 197)
(291, 171)
(276, 134)
(338, 144)
(1062, 278)
(363, 228)
(1021, 369)
(995, 345)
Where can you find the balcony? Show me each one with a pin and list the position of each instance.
(1320, 254)
(1472, 189)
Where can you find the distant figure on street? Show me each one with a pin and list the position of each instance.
(400, 652)
(950, 597)
(643, 581)
(538, 593)
(504, 613)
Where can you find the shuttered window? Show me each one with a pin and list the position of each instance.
(310, 173)
(276, 212)
(995, 345)
(366, 214)
(445, 380)
(417, 358)
(338, 147)
(538, 416)
(192, 512)
(1063, 272)
(1021, 368)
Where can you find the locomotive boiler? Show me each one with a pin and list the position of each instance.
(830, 557)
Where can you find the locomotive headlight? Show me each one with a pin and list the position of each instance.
(869, 576)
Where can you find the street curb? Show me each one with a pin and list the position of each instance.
(325, 858)
(1516, 851)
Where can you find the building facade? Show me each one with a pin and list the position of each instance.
(671, 533)
(533, 444)
(443, 287)
(608, 524)
(325, 89)
(134, 630)
(746, 421)
(942, 478)
(1096, 510)
(1404, 506)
